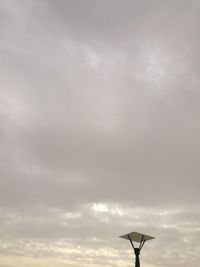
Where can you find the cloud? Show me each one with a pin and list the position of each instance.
(99, 131)
(93, 231)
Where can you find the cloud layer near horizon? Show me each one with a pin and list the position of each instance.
(99, 135)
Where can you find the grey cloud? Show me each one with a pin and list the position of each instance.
(100, 104)
(60, 233)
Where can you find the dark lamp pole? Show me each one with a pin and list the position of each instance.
(141, 239)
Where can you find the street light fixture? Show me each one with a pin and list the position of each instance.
(139, 238)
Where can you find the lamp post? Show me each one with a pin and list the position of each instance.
(141, 239)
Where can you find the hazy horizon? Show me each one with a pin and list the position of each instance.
(99, 135)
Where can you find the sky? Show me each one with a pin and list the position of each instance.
(99, 132)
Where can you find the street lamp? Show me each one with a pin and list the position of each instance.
(139, 238)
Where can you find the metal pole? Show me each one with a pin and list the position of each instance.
(137, 252)
(137, 258)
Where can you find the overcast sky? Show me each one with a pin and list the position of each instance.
(99, 132)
